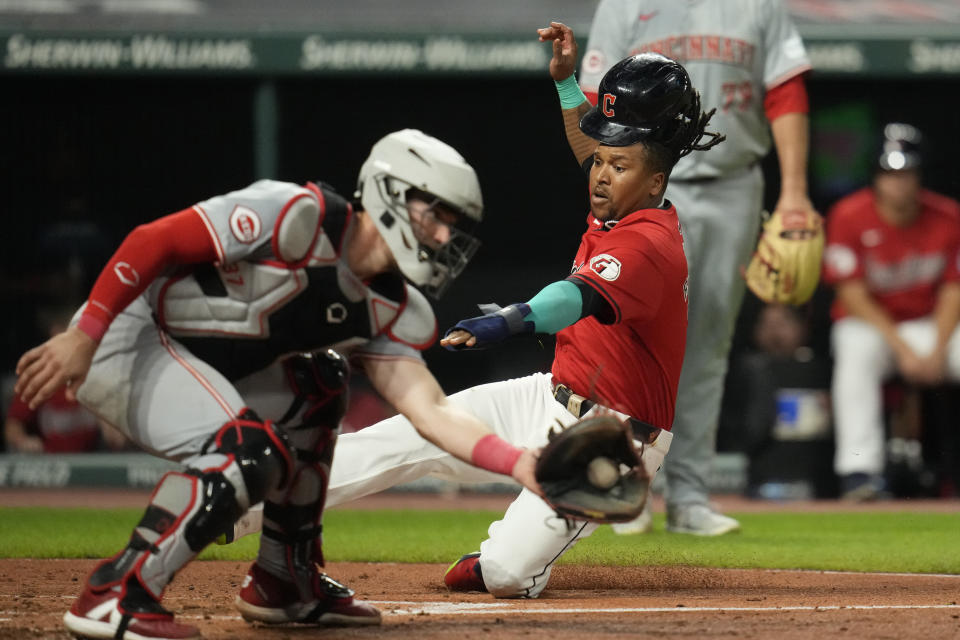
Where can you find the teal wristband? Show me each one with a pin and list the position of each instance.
(570, 94)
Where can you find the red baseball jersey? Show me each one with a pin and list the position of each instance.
(902, 266)
(63, 425)
(633, 363)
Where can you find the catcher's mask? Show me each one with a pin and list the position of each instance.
(645, 98)
(900, 148)
(425, 201)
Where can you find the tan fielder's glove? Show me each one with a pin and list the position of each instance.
(785, 268)
(581, 475)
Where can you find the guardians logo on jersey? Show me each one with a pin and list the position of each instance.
(606, 266)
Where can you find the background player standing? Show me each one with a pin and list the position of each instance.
(619, 320)
(893, 255)
(189, 344)
(747, 60)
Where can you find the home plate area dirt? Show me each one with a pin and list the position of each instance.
(581, 602)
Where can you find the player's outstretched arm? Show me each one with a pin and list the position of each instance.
(557, 306)
(180, 238)
(572, 101)
(410, 387)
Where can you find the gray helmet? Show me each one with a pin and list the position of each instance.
(410, 162)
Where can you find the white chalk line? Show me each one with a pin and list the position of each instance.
(409, 608)
(452, 608)
(893, 574)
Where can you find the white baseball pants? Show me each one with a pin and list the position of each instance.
(862, 361)
(519, 553)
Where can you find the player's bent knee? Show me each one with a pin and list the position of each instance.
(502, 582)
(258, 457)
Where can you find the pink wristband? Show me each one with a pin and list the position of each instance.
(92, 326)
(495, 454)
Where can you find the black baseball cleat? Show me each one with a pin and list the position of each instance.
(465, 574)
(266, 598)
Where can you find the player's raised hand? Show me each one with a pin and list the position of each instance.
(64, 359)
(564, 60)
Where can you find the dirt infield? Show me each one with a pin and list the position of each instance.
(581, 602)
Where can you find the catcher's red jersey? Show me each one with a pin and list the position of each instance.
(901, 266)
(633, 363)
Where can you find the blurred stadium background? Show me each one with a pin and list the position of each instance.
(115, 112)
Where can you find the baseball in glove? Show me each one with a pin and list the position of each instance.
(785, 268)
(580, 471)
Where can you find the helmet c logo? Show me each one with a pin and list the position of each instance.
(607, 106)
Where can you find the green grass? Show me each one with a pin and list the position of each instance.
(880, 541)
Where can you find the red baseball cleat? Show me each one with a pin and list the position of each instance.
(109, 613)
(266, 598)
(465, 574)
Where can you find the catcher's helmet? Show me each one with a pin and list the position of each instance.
(645, 98)
(900, 147)
(411, 161)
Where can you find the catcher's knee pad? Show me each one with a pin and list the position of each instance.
(253, 454)
(188, 510)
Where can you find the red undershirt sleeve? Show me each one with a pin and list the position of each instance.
(789, 97)
(178, 239)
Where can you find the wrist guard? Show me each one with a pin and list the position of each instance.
(495, 326)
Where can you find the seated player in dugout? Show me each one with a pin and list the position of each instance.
(620, 320)
(893, 258)
(207, 340)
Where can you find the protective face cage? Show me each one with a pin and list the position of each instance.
(445, 261)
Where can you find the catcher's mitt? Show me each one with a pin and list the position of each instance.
(581, 460)
(785, 268)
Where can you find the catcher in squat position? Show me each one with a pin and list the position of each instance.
(188, 344)
(620, 319)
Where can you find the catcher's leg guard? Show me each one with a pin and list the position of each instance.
(188, 510)
(292, 517)
(286, 584)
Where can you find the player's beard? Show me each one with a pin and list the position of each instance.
(602, 206)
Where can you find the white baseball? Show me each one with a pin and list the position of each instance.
(602, 472)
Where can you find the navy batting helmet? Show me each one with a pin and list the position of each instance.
(648, 98)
